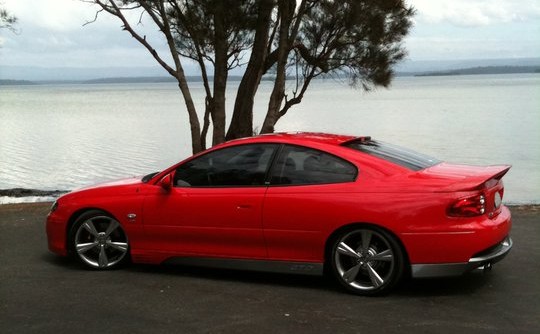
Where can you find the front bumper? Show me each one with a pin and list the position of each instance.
(56, 233)
(485, 258)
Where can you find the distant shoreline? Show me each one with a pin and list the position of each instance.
(482, 70)
(23, 192)
(112, 80)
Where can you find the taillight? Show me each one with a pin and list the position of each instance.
(468, 207)
(497, 199)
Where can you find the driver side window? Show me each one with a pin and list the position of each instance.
(244, 165)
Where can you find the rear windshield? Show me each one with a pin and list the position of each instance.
(400, 156)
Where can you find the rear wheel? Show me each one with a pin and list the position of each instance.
(99, 240)
(367, 260)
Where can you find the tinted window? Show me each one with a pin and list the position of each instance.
(244, 165)
(398, 155)
(302, 165)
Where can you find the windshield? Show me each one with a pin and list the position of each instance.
(400, 156)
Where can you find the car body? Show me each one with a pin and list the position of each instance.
(367, 211)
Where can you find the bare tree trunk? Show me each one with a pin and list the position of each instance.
(195, 127)
(220, 75)
(242, 118)
(286, 12)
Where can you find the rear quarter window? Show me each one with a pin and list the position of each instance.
(297, 165)
(395, 154)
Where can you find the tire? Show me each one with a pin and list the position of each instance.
(99, 241)
(367, 260)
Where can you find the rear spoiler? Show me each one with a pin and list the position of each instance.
(480, 180)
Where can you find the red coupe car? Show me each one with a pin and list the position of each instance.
(366, 211)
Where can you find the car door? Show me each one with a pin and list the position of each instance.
(309, 191)
(214, 207)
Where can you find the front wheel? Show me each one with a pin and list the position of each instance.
(99, 240)
(367, 260)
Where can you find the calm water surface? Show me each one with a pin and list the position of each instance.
(67, 136)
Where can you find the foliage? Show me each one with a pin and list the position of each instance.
(7, 20)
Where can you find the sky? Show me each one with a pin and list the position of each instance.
(52, 33)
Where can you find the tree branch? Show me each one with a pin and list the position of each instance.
(115, 10)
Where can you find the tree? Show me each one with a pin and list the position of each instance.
(356, 39)
(359, 39)
(7, 21)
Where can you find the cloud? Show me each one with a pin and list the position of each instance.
(474, 13)
(57, 15)
(471, 47)
(52, 33)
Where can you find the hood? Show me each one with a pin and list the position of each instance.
(119, 182)
(106, 185)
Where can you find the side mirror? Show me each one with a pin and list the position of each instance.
(166, 182)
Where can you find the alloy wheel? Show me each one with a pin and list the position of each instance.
(100, 241)
(367, 261)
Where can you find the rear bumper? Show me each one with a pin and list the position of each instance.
(485, 258)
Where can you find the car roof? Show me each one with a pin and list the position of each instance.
(302, 137)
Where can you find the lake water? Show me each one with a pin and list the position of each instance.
(67, 136)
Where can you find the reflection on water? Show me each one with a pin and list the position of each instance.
(67, 136)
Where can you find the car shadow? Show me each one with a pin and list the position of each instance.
(446, 286)
(70, 263)
(462, 285)
(66, 262)
(235, 275)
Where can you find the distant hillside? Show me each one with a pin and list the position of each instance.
(506, 69)
(116, 80)
(191, 78)
(129, 80)
(16, 82)
(69, 75)
(484, 70)
(425, 66)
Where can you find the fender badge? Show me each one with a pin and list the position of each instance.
(131, 216)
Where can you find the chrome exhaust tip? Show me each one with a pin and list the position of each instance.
(486, 267)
